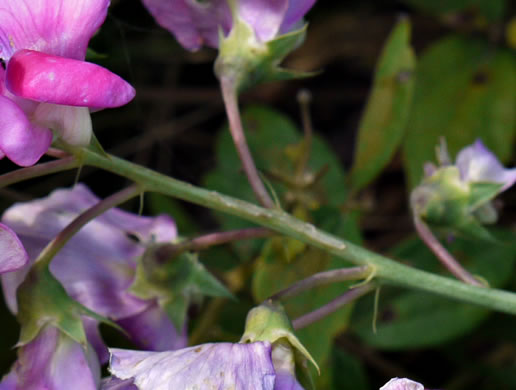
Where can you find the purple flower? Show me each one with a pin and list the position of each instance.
(402, 384)
(213, 366)
(13, 253)
(47, 84)
(53, 361)
(476, 163)
(196, 22)
(97, 266)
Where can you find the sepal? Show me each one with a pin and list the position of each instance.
(42, 300)
(175, 284)
(246, 61)
(269, 322)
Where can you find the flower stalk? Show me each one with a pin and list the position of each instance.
(334, 305)
(322, 278)
(54, 246)
(387, 270)
(445, 257)
(169, 251)
(229, 95)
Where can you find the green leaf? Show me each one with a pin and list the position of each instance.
(271, 135)
(464, 90)
(385, 117)
(416, 319)
(491, 9)
(349, 373)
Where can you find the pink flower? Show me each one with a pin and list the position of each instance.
(196, 23)
(46, 84)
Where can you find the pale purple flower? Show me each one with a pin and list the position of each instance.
(402, 384)
(97, 266)
(12, 253)
(47, 85)
(53, 361)
(206, 366)
(196, 22)
(476, 163)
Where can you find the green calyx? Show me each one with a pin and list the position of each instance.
(244, 61)
(269, 322)
(175, 284)
(444, 200)
(42, 300)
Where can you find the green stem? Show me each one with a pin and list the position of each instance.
(54, 246)
(389, 271)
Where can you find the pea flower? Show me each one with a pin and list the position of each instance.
(46, 84)
(402, 384)
(97, 266)
(264, 359)
(196, 22)
(459, 195)
(217, 366)
(53, 361)
(476, 163)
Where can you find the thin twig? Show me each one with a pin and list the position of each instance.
(322, 278)
(443, 255)
(169, 251)
(22, 174)
(329, 308)
(304, 98)
(229, 95)
(54, 246)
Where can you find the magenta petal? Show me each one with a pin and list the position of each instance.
(22, 142)
(193, 23)
(9, 382)
(296, 11)
(152, 330)
(47, 78)
(13, 254)
(59, 27)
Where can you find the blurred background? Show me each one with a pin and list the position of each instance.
(462, 85)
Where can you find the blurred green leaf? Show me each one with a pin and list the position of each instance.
(417, 319)
(491, 9)
(385, 117)
(270, 135)
(465, 90)
(351, 374)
